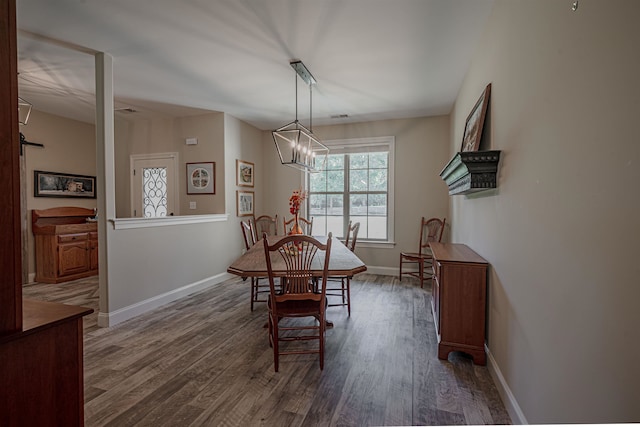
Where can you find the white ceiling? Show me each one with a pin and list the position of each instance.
(373, 59)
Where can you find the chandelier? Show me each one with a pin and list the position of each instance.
(297, 146)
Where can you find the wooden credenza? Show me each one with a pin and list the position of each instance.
(41, 367)
(66, 245)
(459, 295)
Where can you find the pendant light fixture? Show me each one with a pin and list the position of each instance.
(297, 146)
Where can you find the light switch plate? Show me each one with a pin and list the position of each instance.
(192, 205)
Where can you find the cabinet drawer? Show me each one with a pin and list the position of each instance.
(65, 238)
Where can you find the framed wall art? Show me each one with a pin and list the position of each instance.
(244, 173)
(475, 122)
(201, 178)
(244, 203)
(56, 184)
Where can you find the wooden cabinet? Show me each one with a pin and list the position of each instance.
(66, 245)
(459, 295)
(41, 367)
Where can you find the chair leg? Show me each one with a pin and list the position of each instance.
(275, 339)
(349, 296)
(421, 268)
(400, 277)
(321, 346)
(253, 289)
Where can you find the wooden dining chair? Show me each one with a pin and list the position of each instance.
(249, 240)
(297, 296)
(343, 291)
(265, 224)
(430, 231)
(307, 225)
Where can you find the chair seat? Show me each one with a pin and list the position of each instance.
(297, 308)
(415, 255)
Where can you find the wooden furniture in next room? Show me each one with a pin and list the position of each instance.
(459, 293)
(66, 244)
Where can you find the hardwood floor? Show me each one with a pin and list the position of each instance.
(205, 361)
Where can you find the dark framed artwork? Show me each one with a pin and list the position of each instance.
(57, 184)
(475, 122)
(201, 178)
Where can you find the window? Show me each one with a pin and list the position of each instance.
(354, 186)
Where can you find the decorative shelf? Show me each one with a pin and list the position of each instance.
(471, 171)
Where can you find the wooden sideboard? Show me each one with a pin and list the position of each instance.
(459, 295)
(66, 244)
(41, 367)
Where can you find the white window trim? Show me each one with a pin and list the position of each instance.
(355, 143)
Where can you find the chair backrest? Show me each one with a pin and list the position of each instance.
(298, 253)
(352, 236)
(265, 224)
(307, 225)
(247, 233)
(430, 231)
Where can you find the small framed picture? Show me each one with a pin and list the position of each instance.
(201, 178)
(475, 122)
(56, 184)
(244, 203)
(244, 173)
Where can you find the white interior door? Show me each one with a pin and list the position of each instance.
(153, 185)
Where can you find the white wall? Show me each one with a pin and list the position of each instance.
(561, 231)
(421, 153)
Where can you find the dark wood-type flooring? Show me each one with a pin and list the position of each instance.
(205, 361)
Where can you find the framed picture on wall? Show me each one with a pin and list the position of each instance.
(244, 203)
(201, 178)
(244, 173)
(475, 122)
(56, 184)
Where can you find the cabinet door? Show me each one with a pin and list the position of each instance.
(73, 257)
(93, 254)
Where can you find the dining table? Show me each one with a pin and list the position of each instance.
(342, 261)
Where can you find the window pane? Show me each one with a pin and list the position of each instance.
(378, 160)
(378, 205)
(335, 224)
(335, 161)
(358, 204)
(317, 204)
(363, 233)
(318, 182)
(358, 180)
(319, 225)
(358, 161)
(335, 180)
(377, 227)
(154, 197)
(335, 204)
(378, 180)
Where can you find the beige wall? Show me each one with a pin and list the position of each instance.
(421, 151)
(165, 135)
(69, 147)
(561, 231)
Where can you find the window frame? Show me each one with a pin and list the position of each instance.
(360, 145)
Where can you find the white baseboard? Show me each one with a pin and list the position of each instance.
(509, 400)
(106, 320)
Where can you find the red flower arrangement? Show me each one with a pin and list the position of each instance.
(296, 200)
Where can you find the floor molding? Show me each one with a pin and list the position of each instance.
(509, 400)
(106, 320)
